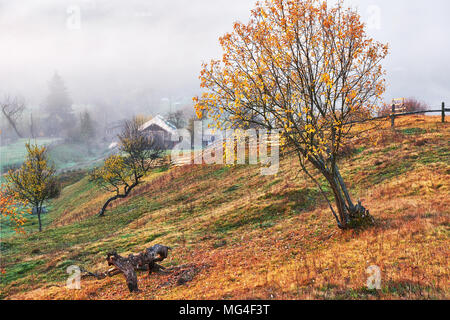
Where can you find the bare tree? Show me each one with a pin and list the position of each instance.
(12, 109)
(32, 127)
(409, 105)
(177, 118)
(121, 173)
(415, 105)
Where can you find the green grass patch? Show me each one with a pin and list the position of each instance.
(359, 150)
(413, 131)
(272, 183)
(436, 155)
(221, 171)
(19, 270)
(264, 218)
(155, 236)
(233, 188)
(301, 199)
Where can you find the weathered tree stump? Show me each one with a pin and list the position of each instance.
(144, 261)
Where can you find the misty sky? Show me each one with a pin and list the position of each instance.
(134, 53)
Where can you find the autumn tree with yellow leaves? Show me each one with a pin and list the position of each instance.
(13, 209)
(34, 182)
(124, 171)
(304, 68)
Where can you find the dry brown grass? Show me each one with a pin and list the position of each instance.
(295, 255)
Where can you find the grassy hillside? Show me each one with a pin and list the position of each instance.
(243, 235)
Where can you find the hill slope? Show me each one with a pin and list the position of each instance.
(243, 235)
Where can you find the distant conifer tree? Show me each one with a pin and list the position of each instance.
(58, 106)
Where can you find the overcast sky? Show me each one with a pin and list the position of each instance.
(126, 52)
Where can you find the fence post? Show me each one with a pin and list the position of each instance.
(393, 116)
(443, 112)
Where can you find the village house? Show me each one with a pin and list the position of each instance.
(161, 130)
(166, 133)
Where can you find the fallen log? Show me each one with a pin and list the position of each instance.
(144, 261)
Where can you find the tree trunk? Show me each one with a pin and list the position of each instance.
(39, 209)
(350, 216)
(126, 267)
(33, 135)
(103, 210)
(118, 196)
(143, 261)
(12, 123)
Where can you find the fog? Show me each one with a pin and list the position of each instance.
(144, 56)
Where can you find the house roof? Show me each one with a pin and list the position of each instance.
(161, 122)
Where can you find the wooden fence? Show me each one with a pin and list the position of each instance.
(196, 157)
(394, 115)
